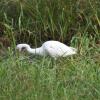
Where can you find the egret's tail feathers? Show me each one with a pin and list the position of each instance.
(74, 49)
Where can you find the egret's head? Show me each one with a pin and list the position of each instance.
(22, 47)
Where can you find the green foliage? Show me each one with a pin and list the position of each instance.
(54, 19)
(74, 22)
(24, 78)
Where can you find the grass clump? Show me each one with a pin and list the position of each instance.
(23, 78)
(72, 22)
(55, 19)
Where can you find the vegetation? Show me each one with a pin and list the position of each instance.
(29, 77)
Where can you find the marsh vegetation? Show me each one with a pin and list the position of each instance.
(28, 77)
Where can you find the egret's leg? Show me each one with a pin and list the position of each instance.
(52, 63)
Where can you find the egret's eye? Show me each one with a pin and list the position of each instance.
(23, 49)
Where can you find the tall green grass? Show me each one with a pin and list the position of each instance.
(24, 78)
(55, 19)
(29, 77)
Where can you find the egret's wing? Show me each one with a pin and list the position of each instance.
(54, 51)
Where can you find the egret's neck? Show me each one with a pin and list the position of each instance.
(38, 51)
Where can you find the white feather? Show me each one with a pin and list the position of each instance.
(52, 48)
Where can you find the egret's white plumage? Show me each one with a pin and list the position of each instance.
(52, 48)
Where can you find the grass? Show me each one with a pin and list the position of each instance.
(27, 77)
(24, 78)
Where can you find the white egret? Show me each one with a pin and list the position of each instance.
(54, 49)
